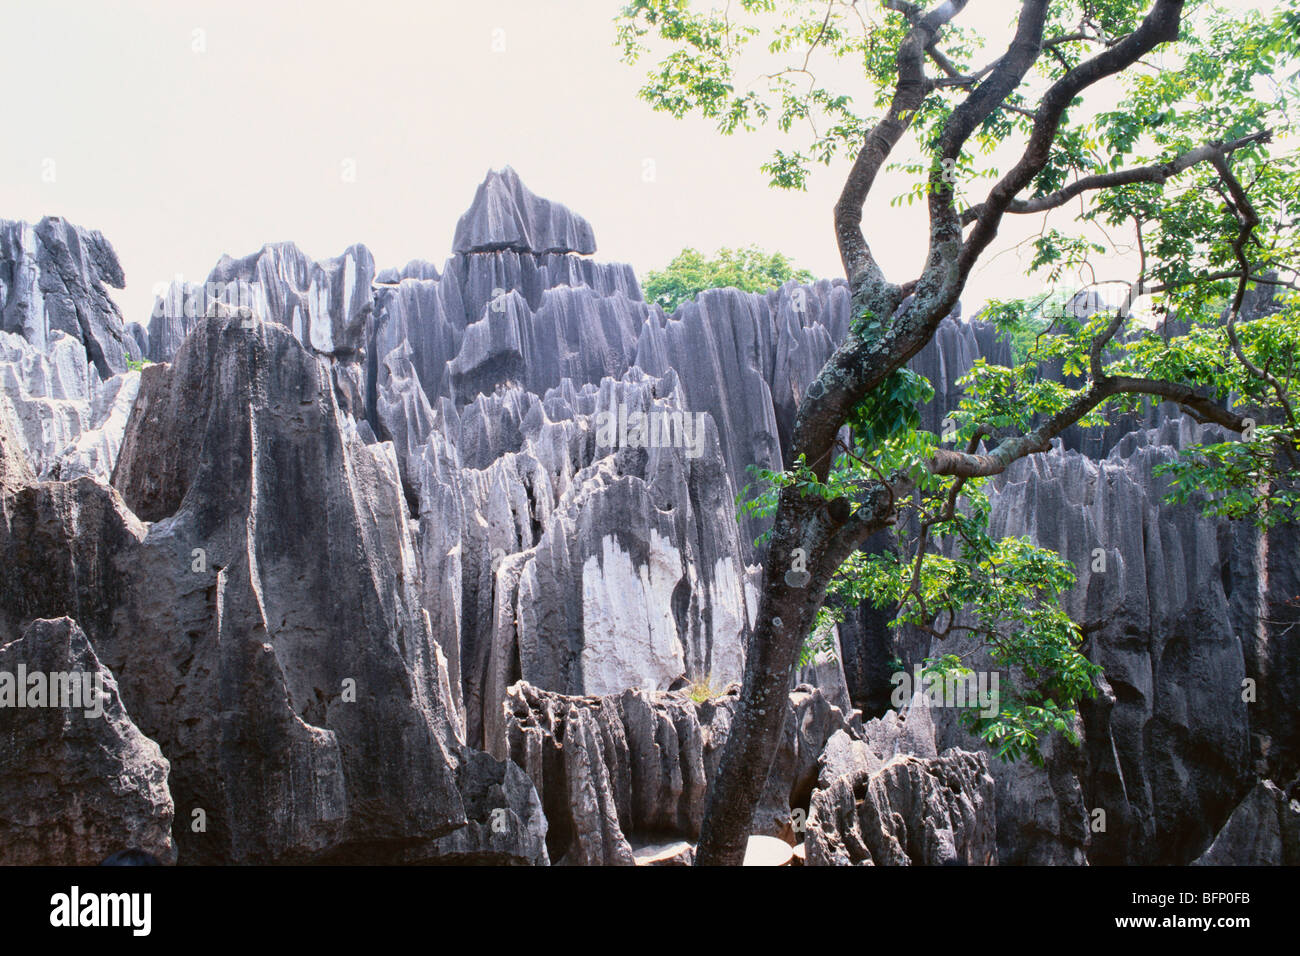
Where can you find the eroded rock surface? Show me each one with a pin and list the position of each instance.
(80, 781)
(889, 797)
(506, 215)
(53, 277)
(294, 687)
(624, 775)
(510, 480)
(69, 420)
(1264, 830)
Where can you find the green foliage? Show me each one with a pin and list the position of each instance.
(1022, 321)
(136, 365)
(1239, 478)
(891, 408)
(1003, 595)
(1005, 591)
(759, 499)
(820, 644)
(1255, 475)
(690, 273)
(762, 63)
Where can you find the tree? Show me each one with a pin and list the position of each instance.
(1186, 159)
(690, 273)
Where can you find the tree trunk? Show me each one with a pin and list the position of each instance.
(769, 667)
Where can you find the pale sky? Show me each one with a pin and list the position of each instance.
(187, 129)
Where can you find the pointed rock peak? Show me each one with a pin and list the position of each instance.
(506, 215)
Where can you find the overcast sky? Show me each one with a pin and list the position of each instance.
(183, 130)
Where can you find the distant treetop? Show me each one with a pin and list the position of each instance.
(690, 273)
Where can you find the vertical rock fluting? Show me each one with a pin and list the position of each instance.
(52, 278)
(266, 625)
(553, 549)
(325, 304)
(579, 568)
(440, 483)
(70, 421)
(1170, 602)
(295, 687)
(505, 214)
(1185, 609)
(620, 775)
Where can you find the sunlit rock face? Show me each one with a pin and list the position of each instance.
(577, 567)
(70, 422)
(325, 304)
(574, 455)
(64, 381)
(54, 278)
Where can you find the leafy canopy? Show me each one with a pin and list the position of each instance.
(691, 272)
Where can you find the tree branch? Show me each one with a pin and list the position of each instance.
(938, 279)
(860, 266)
(1244, 210)
(1160, 25)
(966, 465)
(1157, 173)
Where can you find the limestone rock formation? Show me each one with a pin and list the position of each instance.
(1164, 596)
(45, 395)
(623, 775)
(67, 549)
(80, 781)
(910, 812)
(69, 420)
(506, 215)
(52, 278)
(365, 524)
(578, 566)
(294, 687)
(15, 470)
(325, 304)
(506, 824)
(888, 797)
